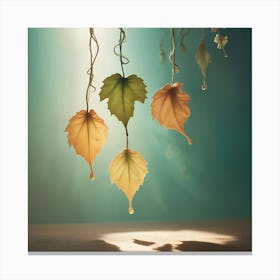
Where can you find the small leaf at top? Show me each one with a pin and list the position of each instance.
(128, 170)
(170, 108)
(221, 41)
(122, 93)
(87, 132)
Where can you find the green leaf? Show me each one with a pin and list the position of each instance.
(122, 94)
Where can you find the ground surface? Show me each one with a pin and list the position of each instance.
(234, 235)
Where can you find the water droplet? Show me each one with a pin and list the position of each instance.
(225, 53)
(204, 86)
(130, 209)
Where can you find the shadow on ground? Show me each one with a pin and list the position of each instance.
(93, 245)
(199, 246)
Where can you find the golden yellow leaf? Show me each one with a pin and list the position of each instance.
(170, 108)
(87, 132)
(128, 170)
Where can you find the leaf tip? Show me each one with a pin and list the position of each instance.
(91, 175)
(189, 139)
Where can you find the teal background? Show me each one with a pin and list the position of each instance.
(210, 179)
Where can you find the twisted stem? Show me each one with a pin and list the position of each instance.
(123, 60)
(90, 86)
(175, 67)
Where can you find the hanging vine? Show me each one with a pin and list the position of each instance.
(202, 56)
(128, 169)
(203, 59)
(87, 132)
(170, 103)
(90, 86)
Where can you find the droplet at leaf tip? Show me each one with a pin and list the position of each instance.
(130, 210)
(204, 86)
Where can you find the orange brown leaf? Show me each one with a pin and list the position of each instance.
(87, 132)
(170, 108)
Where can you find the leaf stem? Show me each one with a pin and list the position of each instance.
(92, 61)
(126, 132)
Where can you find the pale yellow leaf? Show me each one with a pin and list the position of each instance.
(128, 170)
